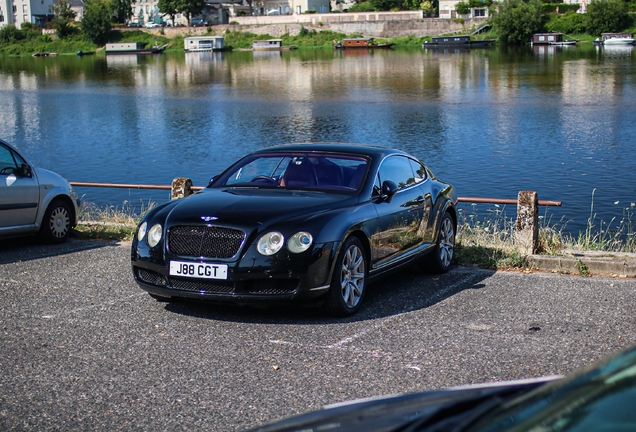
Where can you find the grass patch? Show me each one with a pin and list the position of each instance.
(110, 223)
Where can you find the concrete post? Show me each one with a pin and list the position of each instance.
(527, 222)
(181, 187)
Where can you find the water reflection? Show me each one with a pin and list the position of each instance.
(492, 121)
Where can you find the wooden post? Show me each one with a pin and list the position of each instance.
(527, 222)
(181, 187)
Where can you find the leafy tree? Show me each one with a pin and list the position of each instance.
(570, 23)
(121, 10)
(190, 7)
(517, 20)
(96, 22)
(462, 8)
(169, 7)
(63, 16)
(364, 6)
(427, 7)
(606, 16)
(10, 34)
(385, 5)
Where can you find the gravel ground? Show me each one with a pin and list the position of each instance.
(83, 348)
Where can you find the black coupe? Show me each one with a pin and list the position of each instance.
(296, 223)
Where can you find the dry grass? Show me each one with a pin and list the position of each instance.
(110, 223)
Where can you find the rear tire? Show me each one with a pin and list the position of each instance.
(349, 279)
(56, 223)
(442, 257)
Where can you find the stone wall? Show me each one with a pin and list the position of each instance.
(372, 28)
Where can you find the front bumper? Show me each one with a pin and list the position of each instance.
(253, 278)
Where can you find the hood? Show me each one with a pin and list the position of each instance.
(49, 178)
(253, 206)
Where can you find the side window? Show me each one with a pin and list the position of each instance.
(398, 170)
(418, 170)
(7, 162)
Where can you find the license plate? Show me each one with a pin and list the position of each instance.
(198, 270)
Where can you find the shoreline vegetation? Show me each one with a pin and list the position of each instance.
(234, 40)
(486, 241)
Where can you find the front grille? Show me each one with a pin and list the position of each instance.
(272, 286)
(257, 287)
(205, 241)
(213, 286)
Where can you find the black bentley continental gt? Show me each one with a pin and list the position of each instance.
(297, 223)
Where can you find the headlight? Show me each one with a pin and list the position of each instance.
(270, 243)
(141, 232)
(154, 235)
(299, 242)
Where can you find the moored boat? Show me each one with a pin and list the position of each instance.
(551, 39)
(271, 45)
(44, 54)
(204, 43)
(616, 39)
(133, 48)
(457, 41)
(363, 42)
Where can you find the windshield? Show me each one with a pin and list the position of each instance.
(602, 399)
(310, 171)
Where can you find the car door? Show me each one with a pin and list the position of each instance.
(400, 216)
(19, 193)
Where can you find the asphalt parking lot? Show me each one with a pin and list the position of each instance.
(83, 348)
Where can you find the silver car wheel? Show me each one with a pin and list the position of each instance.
(352, 276)
(446, 241)
(59, 222)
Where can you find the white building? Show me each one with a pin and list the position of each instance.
(447, 10)
(17, 12)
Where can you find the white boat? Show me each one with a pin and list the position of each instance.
(271, 45)
(204, 43)
(619, 41)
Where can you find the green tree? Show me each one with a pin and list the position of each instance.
(10, 34)
(190, 7)
(63, 17)
(121, 10)
(169, 7)
(385, 5)
(517, 20)
(606, 16)
(96, 22)
(462, 8)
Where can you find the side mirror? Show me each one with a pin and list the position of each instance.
(25, 171)
(389, 189)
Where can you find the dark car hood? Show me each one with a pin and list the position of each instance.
(253, 206)
(439, 410)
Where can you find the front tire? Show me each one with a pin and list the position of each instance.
(56, 223)
(349, 279)
(442, 257)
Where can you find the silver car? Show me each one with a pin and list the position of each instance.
(34, 200)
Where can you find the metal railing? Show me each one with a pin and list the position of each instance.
(476, 200)
(527, 206)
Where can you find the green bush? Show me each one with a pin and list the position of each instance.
(563, 8)
(570, 23)
(362, 7)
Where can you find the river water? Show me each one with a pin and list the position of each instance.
(493, 121)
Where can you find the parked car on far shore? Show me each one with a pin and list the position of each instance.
(151, 25)
(34, 200)
(197, 22)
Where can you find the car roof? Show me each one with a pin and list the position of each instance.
(349, 148)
